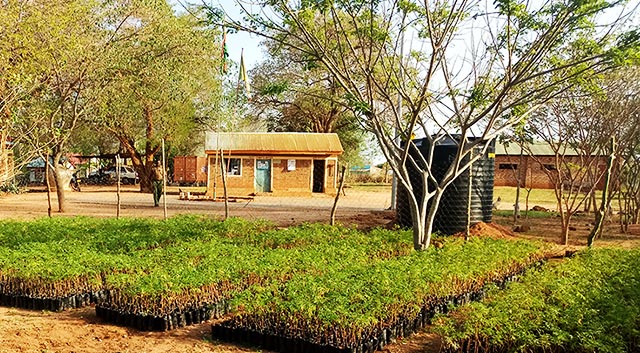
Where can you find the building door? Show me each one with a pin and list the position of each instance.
(263, 175)
(319, 166)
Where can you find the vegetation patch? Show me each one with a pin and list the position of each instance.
(356, 306)
(585, 304)
(312, 286)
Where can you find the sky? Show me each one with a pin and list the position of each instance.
(236, 42)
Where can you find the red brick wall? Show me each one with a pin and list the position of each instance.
(532, 171)
(509, 177)
(237, 185)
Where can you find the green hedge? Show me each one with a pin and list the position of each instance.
(590, 303)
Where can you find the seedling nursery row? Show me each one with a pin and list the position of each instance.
(306, 288)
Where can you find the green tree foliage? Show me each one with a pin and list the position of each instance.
(66, 52)
(584, 304)
(294, 93)
(161, 77)
(133, 69)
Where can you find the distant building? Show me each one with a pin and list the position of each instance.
(274, 163)
(369, 170)
(532, 167)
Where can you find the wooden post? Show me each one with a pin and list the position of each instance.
(118, 164)
(335, 202)
(224, 185)
(470, 185)
(164, 182)
(215, 179)
(46, 178)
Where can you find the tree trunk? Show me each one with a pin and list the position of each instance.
(417, 222)
(428, 219)
(518, 173)
(48, 182)
(59, 188)
(604, 203)
(335, 202)
(142, 162)
(516, 205)
(57, 178)
(526, 205)
(146, 176)
(419, 231)
(566, 222)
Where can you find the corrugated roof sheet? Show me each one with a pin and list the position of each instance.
(537, 148)
(280, 142)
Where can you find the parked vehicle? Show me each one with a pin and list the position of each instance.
(108, 176)
(127, 174)
(75, 182)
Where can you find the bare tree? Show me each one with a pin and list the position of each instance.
(474, 69)
(579, 129)
(617, 109)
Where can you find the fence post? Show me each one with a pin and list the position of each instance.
(335, 202)
(118, 165)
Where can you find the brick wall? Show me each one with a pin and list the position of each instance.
(284, 180)
(532, 171)
(237, 185)
(505, 174)
(291, 181)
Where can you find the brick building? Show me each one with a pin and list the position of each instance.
(274, 163)
(532, 166)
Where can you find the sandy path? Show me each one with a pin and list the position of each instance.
(101, 202)
(81, 331)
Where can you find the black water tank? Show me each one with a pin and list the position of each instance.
(451, 216)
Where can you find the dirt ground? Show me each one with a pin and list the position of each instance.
(364, 208)
(81, 331)
(550, 229)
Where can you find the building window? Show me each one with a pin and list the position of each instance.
(233, 166)
(548, 167)
(512, 166)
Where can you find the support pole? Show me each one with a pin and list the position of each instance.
(164, 182)
(335, 202)
(470, 186)
(118, 166)
(224, 184)
(46, 178)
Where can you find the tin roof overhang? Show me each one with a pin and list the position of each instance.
(536, 148)
(273, 143)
